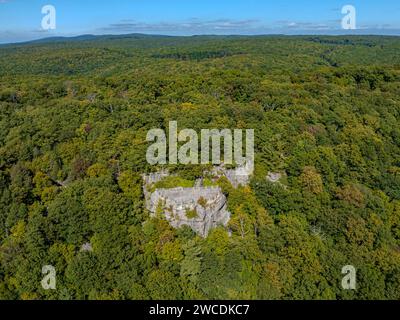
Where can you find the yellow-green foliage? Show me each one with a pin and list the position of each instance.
(74, 117)
(192, 214)
(173, 182)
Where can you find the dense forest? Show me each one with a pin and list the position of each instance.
(74, 115)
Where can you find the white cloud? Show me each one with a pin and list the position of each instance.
(192, 25)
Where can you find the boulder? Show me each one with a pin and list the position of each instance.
(200, 208)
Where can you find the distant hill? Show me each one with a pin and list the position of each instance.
(131, 36)
(87, 37)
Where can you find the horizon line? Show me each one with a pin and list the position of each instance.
(71, 37)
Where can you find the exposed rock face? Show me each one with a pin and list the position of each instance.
(237, 177)
(87, 247)
(155, 177)
(202, 209)
(274, 177)
(277, 177)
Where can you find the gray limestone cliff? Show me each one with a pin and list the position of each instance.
(237, 177)
(202, 209)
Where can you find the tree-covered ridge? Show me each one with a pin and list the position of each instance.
(73, 124)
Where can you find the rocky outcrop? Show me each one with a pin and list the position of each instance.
(277, 178)
(202, 209)
(237, 177)
(274, 177)
(86, 247)
(155, 177)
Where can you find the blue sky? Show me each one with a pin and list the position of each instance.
(20, 20)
